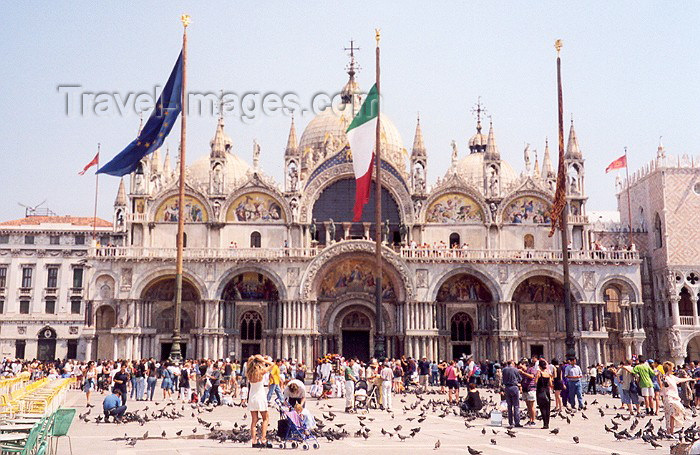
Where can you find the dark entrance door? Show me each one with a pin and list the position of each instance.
(166, 347)
(356, 344)
(536, 350)
(46, 350)
(248, 349)
(458, 350)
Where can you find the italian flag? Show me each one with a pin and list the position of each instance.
(361, 136)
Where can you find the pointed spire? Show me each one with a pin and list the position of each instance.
(292, 144)
(120, 201)
(660, 151)
(491, 147)
(155, 161)
(221, 144)
(167, 170)
(547, 169)
(572, 150)
(536, 171)
(418, 145)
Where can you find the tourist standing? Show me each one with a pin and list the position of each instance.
(592, 378)
(629, 389)
(558, 384)
(543, 383)
(573, 375)
(121, 379)
(645, 372)
(529, 389)
(387, 377)
(674, 411)
(90, 378)
(511, 383)
(350, 379)
(275, 382)
(256, 369)
(452, 375)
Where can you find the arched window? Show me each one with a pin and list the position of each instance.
(184, 240)
(529, 242)
(251, 326)
(685, 306)
(255, 240)
(454, 240)
(461, 328)
(658, 238)
(612, 297)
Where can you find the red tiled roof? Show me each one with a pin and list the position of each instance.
(74, 220)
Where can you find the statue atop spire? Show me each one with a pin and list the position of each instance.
(351, 92)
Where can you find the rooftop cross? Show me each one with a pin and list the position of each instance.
(352, 67)
(478, 110)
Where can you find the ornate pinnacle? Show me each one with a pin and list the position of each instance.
(185, 19)
(558, 45)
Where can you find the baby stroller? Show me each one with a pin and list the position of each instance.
(291, 429)
(365, 398)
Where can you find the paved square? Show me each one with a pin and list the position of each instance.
(450, 430)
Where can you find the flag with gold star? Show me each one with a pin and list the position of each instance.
(156, 129)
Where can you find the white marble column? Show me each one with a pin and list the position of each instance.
(285, 346)
(674, 310)
(116, 346)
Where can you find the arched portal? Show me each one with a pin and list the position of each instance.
(160, 299)
(539, 316)
(46, 349)
(334, 204)
(693, 350)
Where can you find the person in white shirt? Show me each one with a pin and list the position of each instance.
(592, 376)
(295, 392)
(387, 375)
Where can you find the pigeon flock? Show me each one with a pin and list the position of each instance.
(405, 424)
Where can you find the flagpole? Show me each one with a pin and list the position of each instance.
(175, 351)
(379, 347)
(97, 183)
(629, 203)
(564, 226)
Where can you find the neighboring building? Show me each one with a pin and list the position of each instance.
(665, 209)
(43, 284)
(286, 272)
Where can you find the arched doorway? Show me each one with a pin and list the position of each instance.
(46, 348)
(455, 240)
(693, 350)
(355, 330)
(540, 317)
(685, 305)
(160, 297)
(251, 334)
(461, 335)
(105, 318)
(467, 299)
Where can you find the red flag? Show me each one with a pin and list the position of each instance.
(90, 164)
(617, 164)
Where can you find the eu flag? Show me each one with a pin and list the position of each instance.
(155, 130)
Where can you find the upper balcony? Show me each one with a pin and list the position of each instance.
(409, 254)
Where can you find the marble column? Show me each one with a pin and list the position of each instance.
(694, 303)
(674, 310)
(285, 346)
(116, 346)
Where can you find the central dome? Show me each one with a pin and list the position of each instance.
(235, 170)
(325, 135)
(471, 169)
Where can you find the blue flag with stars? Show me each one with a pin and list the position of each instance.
(155, 130)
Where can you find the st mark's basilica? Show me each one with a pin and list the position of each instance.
(281, 269)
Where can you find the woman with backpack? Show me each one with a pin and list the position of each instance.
(629, 387)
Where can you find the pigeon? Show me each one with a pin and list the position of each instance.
(473, 451)
(554, 431)
(145, 435)
(576, 439)
(493, 442)
(483, 431)
(178, 433)
(163, 434)
(437, 444)
(654, 444)
(131, 442)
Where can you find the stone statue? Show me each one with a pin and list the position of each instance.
(417, 205)
(312, 229)
(294, 205)
(293, 177)
(256, 154)
(618, 183)
(493, 183)
(403, 231)
(493, 208)
(217, 209)
(674, 343)
(455, 153)
(217, 180)
(331, 229)
(574, 184)
(386, 231)
(526, 155)
(418, 179)
(139, 184)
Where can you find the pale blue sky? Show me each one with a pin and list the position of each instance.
(630, 75)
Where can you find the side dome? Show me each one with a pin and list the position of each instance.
(471, 169)
(235, 170)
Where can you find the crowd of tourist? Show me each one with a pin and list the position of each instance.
(645, 387)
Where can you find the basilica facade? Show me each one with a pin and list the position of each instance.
(280, 268)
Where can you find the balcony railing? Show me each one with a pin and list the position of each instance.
(524, 255)
(410, 254)
(688, 320)
(203, 253)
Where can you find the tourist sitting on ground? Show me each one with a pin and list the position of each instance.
(473, 402)
(112, 406)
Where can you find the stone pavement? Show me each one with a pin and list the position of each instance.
(450, 430)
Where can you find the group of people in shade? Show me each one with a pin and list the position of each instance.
(545, 385)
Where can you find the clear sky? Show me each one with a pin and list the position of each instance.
(630, 75)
